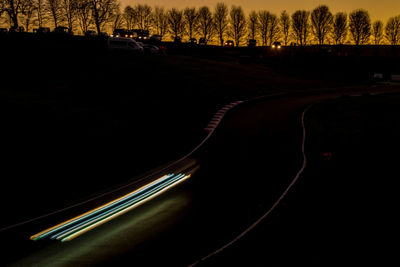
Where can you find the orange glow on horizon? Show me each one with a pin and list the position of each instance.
(382, 10)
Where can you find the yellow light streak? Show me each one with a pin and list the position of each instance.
(78, 233)
(33, 237)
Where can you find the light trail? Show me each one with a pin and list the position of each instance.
(78, 225)
(93, 211)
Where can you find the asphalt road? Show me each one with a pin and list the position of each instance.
(242, 170)
(340, 212)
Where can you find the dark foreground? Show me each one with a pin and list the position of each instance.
(342, 210)
(243, 170)
(78, 121)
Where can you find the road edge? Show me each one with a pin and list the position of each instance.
(258, 221)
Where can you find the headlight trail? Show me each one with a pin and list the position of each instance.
(78, 225)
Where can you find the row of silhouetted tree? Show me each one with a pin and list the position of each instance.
(319, 26)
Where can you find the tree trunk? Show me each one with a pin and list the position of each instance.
(96, 20)
(98, 27)
(14, 19)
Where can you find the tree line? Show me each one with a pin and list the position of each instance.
(319, 26)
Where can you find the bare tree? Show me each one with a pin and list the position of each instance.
(118, 20)
(253, 25)
(321, 22)
(205, 23)
(190, 17)
(2, 7)
(54, 8)
(175, 22)
(28, 11)
(69, 8)
(26, 16)
(264, 18)
(160, 20)
(129, 17)
(284, 21)
(377, 32)
(301, 26)
(392, 30)
(3, 19)
(360, 26)
(102, 12)
(221, 21)
(273, 30)
(40, 12)
(237, 24)
(84, 14)
(143, 14)
(13, 9)
(339, 32)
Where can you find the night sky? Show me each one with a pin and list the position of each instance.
(382, 9)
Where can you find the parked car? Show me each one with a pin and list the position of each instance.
(62, 30)
(229, 43)
(124, 43)
(141, 35)
(90, 33)
(276, 45)
(122, 33)
(177, 40)
(202, 41)
(192, 41)
(252, 43)
(18, 29)
(156, 38)
(151, 49)
(3, 30)
(42, 30)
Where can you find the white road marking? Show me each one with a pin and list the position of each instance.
(273, 206)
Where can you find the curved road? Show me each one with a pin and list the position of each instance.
(242, 170)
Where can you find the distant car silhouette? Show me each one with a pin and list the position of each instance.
(156, 38)
(15, 30)
(229, 43)
(177, 40)
(41, 30)
(124, 43)
(276, 45)
(90, 33)
(141, 35)
(192, 41)
(122, 33)
(252, 43)
(202, 41)
(62, 30)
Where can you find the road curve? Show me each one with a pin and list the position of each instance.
(244, 168)
(258, 221)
